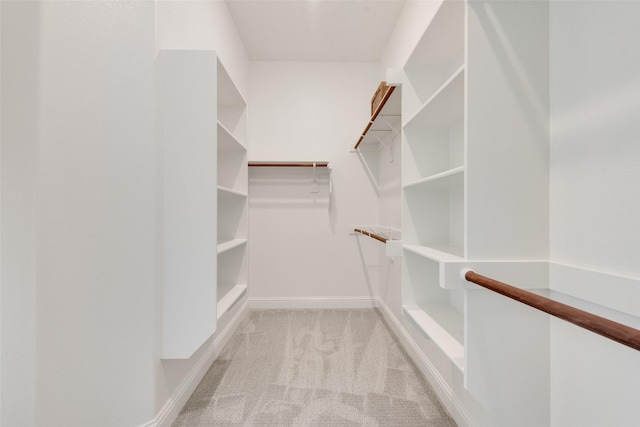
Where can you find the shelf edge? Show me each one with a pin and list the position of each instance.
(227, 301)
(228, 132)
(435, 95)
(440, 336)
(228, 245)
(434, 178)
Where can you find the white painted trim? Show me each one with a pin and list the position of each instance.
(268, 303)
(442, 389)
(176, 402)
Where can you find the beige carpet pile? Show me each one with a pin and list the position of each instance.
(313, 368)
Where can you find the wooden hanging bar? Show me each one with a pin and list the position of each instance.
(375, 114)
(289, 164)
(372, 235)
(615, 331)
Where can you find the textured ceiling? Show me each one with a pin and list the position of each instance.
(315, 30)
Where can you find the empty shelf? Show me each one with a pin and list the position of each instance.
(227, 246)
(227, 301)
(444, 325)
(227, 192)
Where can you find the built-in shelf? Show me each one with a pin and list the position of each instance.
(447, 179)
(228, 93)
(439, 51)
(230, 244)
(433, 177)
(441, 254)
(471, 190)
(232, 106)
(228, 142)
(230, 298)
(435, 134)
(444, 325)
(205, 187)
(187, 123)
(227, 192)
(437, 212)
(444, 109)
(233, 202)
(384, 124)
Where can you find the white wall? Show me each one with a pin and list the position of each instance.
(595, 199)
(203, 24)
(18, 209)
(299, 249)
(595, 158)
(96, 213)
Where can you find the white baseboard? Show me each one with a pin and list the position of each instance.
(442, 389)
(267, 303)
(176, 402)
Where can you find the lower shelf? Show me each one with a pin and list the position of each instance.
(230, 244)
(444, 325)
(227, 301)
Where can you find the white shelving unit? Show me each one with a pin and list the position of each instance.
(433, 176)
(232, 194)
(474, 178)
(469, 162)
(189, 179)
(436, 311)
(203, 126)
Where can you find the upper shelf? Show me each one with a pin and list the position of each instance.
(228, 93)
(443, 39)
(443, 109)
(384, 120)
(450, 178)
(227, 141)
(228, 192)
(439, 51)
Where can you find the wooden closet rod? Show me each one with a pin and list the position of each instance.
(372, 235)
(289, 165)
(615, 331)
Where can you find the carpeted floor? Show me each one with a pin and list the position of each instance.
(313, 368)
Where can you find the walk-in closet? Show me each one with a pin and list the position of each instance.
(320, 213)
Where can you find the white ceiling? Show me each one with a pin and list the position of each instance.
(315, 30)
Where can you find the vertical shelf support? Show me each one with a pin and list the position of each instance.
(330, 187)
(314, 183)
(395, 133)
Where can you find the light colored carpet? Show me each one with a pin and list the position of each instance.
(313, 368)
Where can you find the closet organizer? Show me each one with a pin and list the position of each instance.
(475, 196)
(205, 218)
